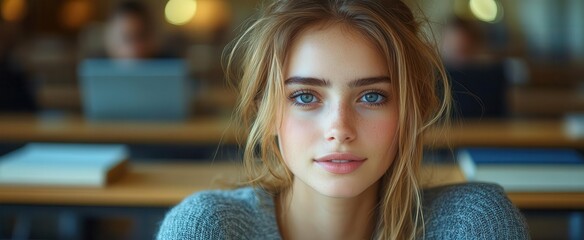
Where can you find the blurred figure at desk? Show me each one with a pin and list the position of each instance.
(16, 93)
(479, 85)
(129, 34)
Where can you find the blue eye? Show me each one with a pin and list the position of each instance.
(372, 98)
(304, 98)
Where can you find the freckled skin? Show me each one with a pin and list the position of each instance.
(339, 120)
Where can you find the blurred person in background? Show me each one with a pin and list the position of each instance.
(479, 84)
(16, 94)
(462, 42)
(129, 33)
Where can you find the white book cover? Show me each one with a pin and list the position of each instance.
(525, 170)
(63, 164)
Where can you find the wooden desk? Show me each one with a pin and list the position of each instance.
(505, 133)
(73, 128)
(166, 184)
(147, 184)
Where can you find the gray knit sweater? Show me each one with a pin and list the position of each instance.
(465, 211)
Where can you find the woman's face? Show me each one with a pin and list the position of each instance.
(338, 131)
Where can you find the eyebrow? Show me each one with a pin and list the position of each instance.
(369, 81)
(323, 82)
(307, 81)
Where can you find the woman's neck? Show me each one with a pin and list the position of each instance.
(304, 213)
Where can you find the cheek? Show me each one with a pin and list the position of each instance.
(379, 136)
(296, 133)
(379, 127)
(381, 131)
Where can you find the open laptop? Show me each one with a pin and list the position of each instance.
(150, 90)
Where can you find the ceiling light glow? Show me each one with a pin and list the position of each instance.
(180, 12)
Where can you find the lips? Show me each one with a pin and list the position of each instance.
(339, 157)
(340, 163)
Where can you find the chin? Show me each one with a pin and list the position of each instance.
(341, 189)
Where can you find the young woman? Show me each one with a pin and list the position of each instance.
(334, 98)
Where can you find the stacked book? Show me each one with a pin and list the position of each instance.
(525, 170)
(87, 165)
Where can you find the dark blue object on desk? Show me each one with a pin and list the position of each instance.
(16, 95)
(479, 90)
(525, 156)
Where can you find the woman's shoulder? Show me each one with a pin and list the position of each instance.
(219, 214)
(472, 211)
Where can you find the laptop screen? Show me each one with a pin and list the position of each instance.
(150, 90)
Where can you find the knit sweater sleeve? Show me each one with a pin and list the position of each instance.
(222, 214)
(194, 218)
(472, 211)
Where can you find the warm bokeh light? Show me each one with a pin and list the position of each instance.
(13, 10)
(211, 15)
(179, 12)
(485, 10)
(76, 13)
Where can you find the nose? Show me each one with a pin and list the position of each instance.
(341, 124)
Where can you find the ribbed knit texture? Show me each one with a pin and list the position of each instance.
(472, 211)
(465, 211)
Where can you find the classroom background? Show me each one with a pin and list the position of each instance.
(516, 68)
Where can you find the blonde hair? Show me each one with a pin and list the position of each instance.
(255, 62)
